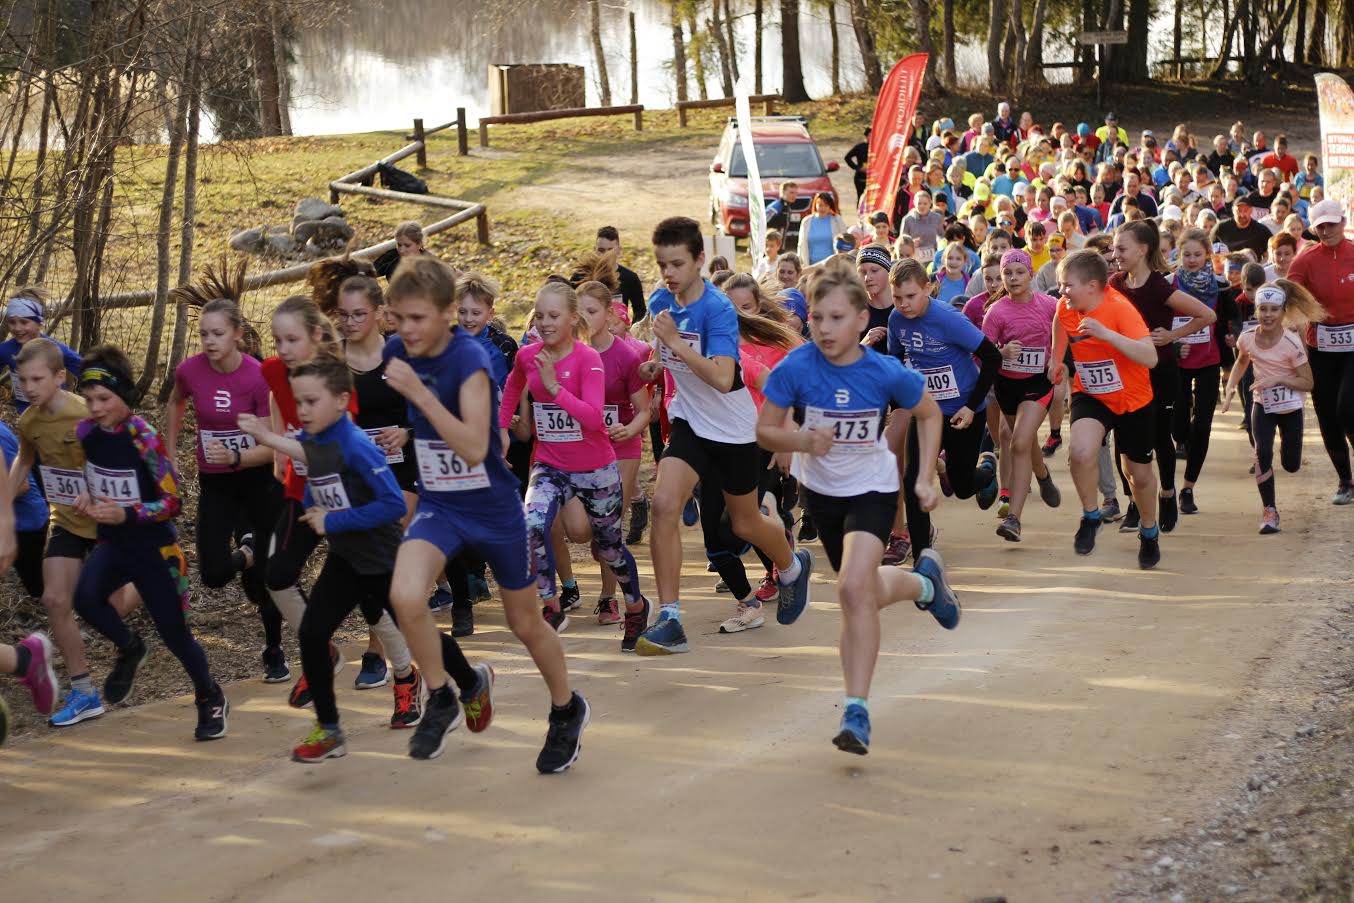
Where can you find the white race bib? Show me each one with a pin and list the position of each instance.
(442, 470)
(854, 432)
(1280, 400)
(62, 486)
(119, 486)
(670, 360)
(1335, 338)
(328, 493)
(1194, 338)
(940, 383)
(394, 457)
(611, 416)
(233, 440)
(1099, 377)
(1030, 360)
(296, 466)
(554, 424)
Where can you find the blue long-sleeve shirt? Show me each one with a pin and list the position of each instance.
(349, 478)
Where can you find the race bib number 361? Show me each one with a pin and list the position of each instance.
(854, 432)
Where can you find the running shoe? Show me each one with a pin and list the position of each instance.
(1187, 505)
(320, 744)
(944, 605)
(747, 617)
(373, 672)
(985, 478)
(1269, 521)
(275, 670)
(722, 587)
(1168, 512)
(1084, 541)
(462, 619)
(441, 716)
(118, 685)
(479, 589)
(564, 737)
(691, 512)
(40, 678)
(895, 553)
(636, 622)
(639, 521)
(440, 600)
(1344, 494)
(1009, 529)
(479, 703)
(794, 597)
(569, 597)
(768, 589)
(4, 721)
(854, 736)
(1048, 492)
(608, 611)
(212, 710)
(79, 707)
(664, 638)
(808, 530)
(1109, 512)
(1004, 508)
(408, 701)
(300, 698)
(1052, 444)
(555, 617)
(1130, 523)
(1149, 551)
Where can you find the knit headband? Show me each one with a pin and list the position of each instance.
(875, 255)
(26, 308)
(98, 376)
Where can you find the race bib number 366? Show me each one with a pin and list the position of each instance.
(442, 470)
(854, 432)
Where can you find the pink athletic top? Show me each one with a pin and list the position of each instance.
(1031, 324)
(569, 431)
(620, 364)
(218, 401)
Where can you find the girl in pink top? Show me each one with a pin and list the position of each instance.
(574, 457)
(1020, 324)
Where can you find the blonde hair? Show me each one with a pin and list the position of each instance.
(312, 320)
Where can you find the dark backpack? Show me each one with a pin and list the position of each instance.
(399, 180)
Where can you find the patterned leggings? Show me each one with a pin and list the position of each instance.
(600, 492)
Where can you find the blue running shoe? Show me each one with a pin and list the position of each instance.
(79, 707)
(440, 600)
(944, 605)
(854, 736)
(691, 512)
(985, 478)
(664, 638)
(794, 597)
(373, 673)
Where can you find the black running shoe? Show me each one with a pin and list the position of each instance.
(118, 685)
(462, 619)
(1169, 514)
(564, 738)
(441, 716)
(1187, 505)
(1084, 542)
(1149, 552)
(639, 521)
(1130, 523)
(211, 715)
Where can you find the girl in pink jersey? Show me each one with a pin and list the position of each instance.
(574, 456)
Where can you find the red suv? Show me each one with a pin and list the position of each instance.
(785, 152)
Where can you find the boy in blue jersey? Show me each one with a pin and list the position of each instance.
(713, 439)
(467, 499)
(840, 396)
(940, 343)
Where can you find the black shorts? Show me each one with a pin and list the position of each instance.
(1135, 432)
(1012, 392)
(834, 516)
(62, 543)
(722, 466)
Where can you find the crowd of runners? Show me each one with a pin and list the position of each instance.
(1023, 275)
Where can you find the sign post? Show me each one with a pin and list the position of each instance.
(1100, 39)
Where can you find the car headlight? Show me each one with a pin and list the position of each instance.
(732, 199)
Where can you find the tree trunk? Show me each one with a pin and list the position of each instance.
(265, 72)
(921, 23)
(678, 56)
(758, 20)
(634, 62)
(1034, 51)
(598, 56)
(1300, 39)
(996, 27)
(836, 47)
(791, 71)
(715, 25)
(869, 56)
(1316, 48)
(697, 47)
(731, 38)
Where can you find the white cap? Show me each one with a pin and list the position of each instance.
(1170, 211)
(1328, 211)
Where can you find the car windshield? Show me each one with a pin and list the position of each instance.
(775, 161)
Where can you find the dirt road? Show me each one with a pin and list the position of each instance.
(1022, 755)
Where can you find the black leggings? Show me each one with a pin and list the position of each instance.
(1194, 415)
(28, 562)
(1263, 427)
(961, 457)
(232, 504)
(1333, 398)
(157, 573)
(337, 591)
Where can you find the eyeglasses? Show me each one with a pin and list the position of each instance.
(359, 317)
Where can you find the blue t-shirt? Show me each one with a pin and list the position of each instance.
(940, 345)
(30, 509)
(443, 477)
(9, 350)
(854, 400)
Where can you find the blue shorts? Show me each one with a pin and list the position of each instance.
(498, 534)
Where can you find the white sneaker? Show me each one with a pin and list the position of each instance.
(748, 617)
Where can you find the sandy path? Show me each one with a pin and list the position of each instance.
(1021, 755)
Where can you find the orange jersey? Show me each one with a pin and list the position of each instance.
(1102, 371)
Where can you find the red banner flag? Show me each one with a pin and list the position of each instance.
(889, 131)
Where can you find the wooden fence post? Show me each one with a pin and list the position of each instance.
(484, 133)
(462, 142)
(639, 120)
(422, 156)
